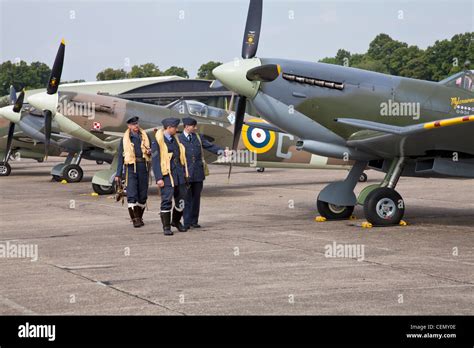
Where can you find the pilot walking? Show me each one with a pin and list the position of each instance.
(171, 173)
(197, 168)
(134, 162)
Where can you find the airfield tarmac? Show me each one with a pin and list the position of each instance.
(256, 254)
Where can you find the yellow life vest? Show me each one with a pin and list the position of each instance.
(166, 156)
(129, 148)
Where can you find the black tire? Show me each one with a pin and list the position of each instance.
(103, 190)
(5, 169)
(261, 170)
(99, 162)
(363, 177)
(333, 212)
(56, 178)
(73, 173)
(384, 207)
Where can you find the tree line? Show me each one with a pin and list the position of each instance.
(385, 55)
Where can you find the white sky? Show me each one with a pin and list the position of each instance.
(109, 33)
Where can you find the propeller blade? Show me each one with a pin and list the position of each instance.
(11, 132)
(57, 70)
(12, 95)
(19, 102)
(48, 119)
(239, 122)
(264, 73)
(252, 29)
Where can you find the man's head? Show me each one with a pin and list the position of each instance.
(190, 125)
(170, 125)
(133, 124)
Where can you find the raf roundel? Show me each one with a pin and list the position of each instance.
(256, 139)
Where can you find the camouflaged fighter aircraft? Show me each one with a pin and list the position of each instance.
(21, 137)
(400, 126)
(100, 121)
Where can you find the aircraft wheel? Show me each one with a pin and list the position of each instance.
(384, 207)
(5, 169)
(73, 173)
(103, 190)
(261, 170)
(334, 212)
(363, 177)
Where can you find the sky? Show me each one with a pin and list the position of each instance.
(120, 34)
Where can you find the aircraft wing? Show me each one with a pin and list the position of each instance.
(408, 130)
(451, 134)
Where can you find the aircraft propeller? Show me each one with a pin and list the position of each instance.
(48, 102)
(249, 51)
(12, 113)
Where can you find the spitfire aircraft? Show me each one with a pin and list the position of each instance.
(400, 126)
(103, 128)
(21, 138)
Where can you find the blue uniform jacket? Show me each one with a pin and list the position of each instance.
(137, 144)
(194, 155)
(177, 169)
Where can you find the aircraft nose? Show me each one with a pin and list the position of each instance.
(8, 114)
(233, 76)
(44, 101)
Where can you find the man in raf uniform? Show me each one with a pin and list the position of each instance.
(197, 168)
(133, 162)
(171, 172)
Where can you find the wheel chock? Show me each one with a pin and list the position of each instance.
(403, 223)
(367, 224)
(320, 219)
(64, 182)
(94, 194)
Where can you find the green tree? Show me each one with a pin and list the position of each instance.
(177, 71)
(145, 70)
(205, 71)
(22, 75)
(111, 74)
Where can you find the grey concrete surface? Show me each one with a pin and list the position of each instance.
(259, 251)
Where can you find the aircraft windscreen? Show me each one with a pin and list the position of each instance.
(464, 80)
(195, 108)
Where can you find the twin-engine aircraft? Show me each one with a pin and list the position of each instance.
(400, 126)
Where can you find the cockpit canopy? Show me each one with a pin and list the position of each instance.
(195, 108)
(463, 79)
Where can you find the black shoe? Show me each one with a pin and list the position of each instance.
(195, 226)
(177, 215)
(141, 211)
(134, 216)
(137, 221)
(166, 220)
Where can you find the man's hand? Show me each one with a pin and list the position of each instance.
(118, 180)
(160, 183)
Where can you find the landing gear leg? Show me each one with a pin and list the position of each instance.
(384, 206)
(337, 200)
(5, 168)
(73, 172)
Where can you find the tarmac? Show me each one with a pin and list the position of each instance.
(260, 251)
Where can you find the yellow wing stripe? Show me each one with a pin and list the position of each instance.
(449, 122)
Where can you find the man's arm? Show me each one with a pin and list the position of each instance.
(156, 161)
(208, 146)
(119, 172)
